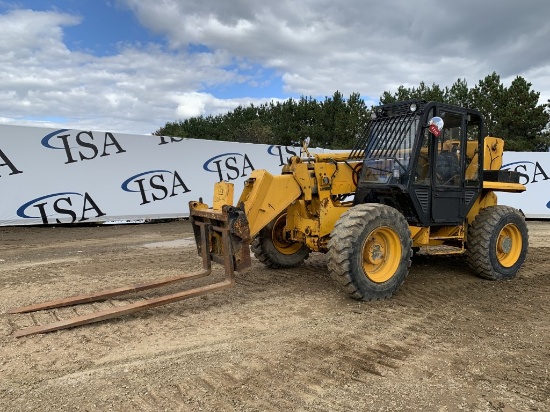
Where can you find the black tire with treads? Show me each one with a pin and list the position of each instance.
(370, 251)
(268, 246)
(497, 242)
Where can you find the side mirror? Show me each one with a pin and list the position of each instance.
(435, 126)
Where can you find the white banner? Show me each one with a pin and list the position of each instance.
(535, 175)
(50, 176)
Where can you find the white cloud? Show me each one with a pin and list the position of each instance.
(192, 104)
(195, 104)
(24, 33)
(314, 46)
(319, 46)
(137, 90)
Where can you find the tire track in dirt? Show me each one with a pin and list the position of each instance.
(291, 339)
(258, 371)
(305, 374)
(355, 360)
(421, 295)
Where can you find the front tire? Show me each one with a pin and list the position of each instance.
(370, 251)
(272, 249)
(497, 243)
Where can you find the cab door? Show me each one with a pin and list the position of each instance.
(447, 177)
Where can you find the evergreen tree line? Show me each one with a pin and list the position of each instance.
(512, 113)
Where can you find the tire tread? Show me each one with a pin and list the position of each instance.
(341, 245)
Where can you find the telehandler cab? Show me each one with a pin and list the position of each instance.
(422, 175)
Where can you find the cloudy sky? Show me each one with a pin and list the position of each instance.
(133, 65)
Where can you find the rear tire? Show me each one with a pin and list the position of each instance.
(370, 251)
(272, 249)
(497, 243)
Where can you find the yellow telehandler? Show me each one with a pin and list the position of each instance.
(421, 176)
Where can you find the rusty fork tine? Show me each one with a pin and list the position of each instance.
(109, 293)
(113, 312)
(123, 310)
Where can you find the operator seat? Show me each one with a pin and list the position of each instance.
(447, 168)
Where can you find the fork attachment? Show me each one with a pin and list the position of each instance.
(216, 241)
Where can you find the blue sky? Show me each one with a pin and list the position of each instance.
(133, 65)
(108, 26)
(104, 25)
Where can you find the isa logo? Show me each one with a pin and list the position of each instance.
(284, 153)
(530, 172)
(80, 146)
(64, 207)
(155, 185)
(169, 139)
(229, 166)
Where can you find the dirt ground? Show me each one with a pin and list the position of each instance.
(286, 340)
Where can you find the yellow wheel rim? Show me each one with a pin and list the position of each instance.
(509, 245)
(381, 254)
(278, 237)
